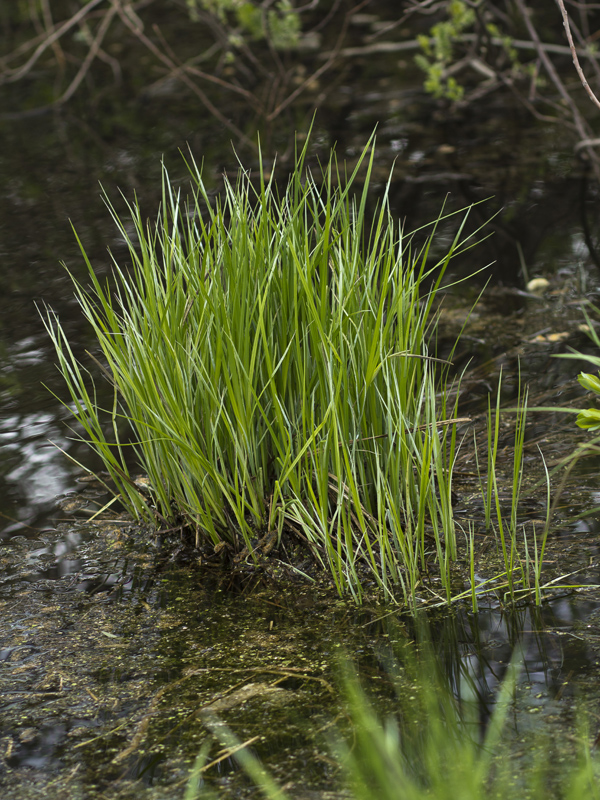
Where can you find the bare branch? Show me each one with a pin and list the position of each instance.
(49, 24)
(414, 44)
(580, 72)
(193, 70)
(48, 42)
(581, 125)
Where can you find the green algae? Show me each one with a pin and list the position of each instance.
(109, 687)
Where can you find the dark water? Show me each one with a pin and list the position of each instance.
(49, 174)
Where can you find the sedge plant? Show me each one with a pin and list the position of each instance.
(269, 351)
(506, 524)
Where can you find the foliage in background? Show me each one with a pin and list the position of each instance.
(271, 355)
(471, 39)
(479, 48)
(279, 24)
(438, 51)
(225, 52)
(249, 62)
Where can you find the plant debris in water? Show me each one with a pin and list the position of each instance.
(112, 675)
(108, 672)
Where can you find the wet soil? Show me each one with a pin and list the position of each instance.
(120, 646)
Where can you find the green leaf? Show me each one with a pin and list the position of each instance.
(589, 419)
(589, 382)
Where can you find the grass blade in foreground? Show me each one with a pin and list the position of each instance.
(430, 744)
(269, 351)
(431, 747)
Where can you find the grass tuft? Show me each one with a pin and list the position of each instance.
(269, 351)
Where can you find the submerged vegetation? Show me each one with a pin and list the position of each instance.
(434, 745)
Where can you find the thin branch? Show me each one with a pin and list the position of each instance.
(95, 50)
(113, 63)
(582, 77)
(583, 128)
(49, 24)
(532, 109)
(193, 70)
(586, 143)
(414, 44)
(584, 40)
(321, 24)
(48, 42)
(584, 6)
(91, 55)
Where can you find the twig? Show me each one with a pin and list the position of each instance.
(582, 128)
(532, 109)
(91, 55)
(586, 143)
(48, 42)
(413, 44)
(228, 752)
(582, 77)
(49, 24)
(193, 70)
(585, 40)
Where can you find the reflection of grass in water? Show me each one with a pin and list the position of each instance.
(431, 748)
(270, 352)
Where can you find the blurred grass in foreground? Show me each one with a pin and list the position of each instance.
(430, 746)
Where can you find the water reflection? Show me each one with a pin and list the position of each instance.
(34, 471)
